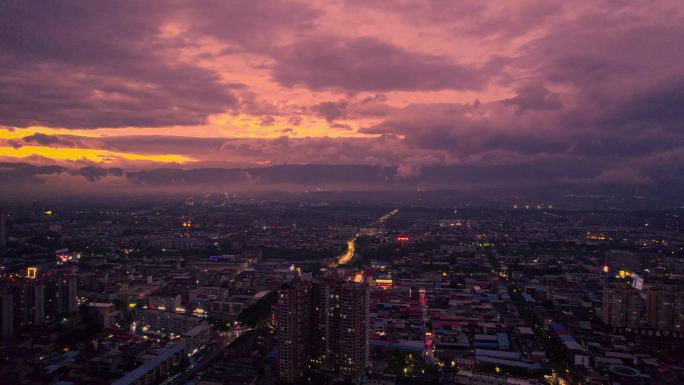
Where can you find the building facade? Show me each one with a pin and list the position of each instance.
(293, 320)
(622, 306)
(323, 323)
(665, 307)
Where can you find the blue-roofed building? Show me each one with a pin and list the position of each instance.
(503, 341)
(486, 345)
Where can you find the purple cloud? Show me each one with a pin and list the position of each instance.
(588, 93)
(367, 64)
(331, 110)
(535, 98)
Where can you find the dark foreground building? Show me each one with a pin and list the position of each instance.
(323, 323)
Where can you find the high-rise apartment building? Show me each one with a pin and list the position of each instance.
(60, 296)
(353, 330)
(33, 300)
(622, 305)
(293, 320)
(665, 307)
(6, 316)
(29, 303)
(324, 322)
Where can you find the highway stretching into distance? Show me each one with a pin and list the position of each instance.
(348, 255)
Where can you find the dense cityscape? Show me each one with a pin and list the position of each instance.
(212, 290)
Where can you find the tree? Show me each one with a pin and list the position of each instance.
(258, 311)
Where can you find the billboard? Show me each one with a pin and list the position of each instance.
(637, 282)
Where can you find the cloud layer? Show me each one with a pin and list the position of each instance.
(421, 93)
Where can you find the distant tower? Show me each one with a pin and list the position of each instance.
(3, 229)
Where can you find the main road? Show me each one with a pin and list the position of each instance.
(351, 244)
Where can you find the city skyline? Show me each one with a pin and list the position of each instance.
(220, 290)
(343, 192)
(294, 96)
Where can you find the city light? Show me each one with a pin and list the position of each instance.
(384, 283)
(349, 253)
(31, 272)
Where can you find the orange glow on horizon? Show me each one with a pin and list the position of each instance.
(245, 126)
(94, 155)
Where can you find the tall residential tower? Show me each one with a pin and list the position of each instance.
(325, 323)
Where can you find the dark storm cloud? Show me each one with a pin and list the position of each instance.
(47, 140)
(24, 174)
(659, 108)
(571, 93)
(157, 144)
(331, 110)
(367, 64)
(491, 19)
(535, 98)
(94, 174)
(98, 64)
(18, 174)
(251, 25)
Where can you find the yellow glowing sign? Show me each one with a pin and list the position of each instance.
(180, 310)
(199, 310)
(132, 305)
(31, 272)
(622, 274)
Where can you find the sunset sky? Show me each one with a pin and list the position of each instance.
(113, 94)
